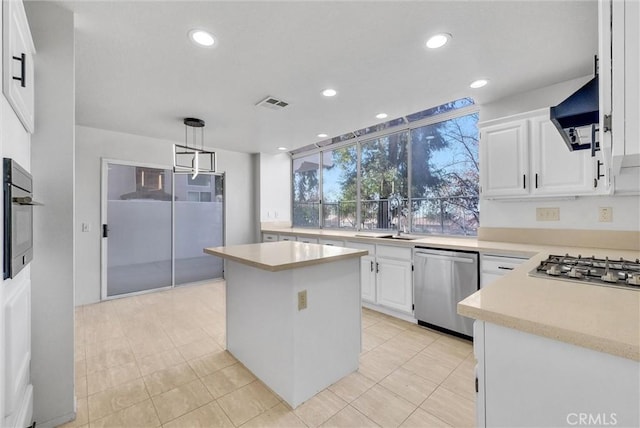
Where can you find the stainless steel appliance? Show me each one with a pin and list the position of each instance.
(18, 218)
(442, 279)
(590, 270)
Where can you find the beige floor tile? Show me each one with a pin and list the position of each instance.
(82, 415)
(247, 402)
(448, 352)
(462, 383)
(145, 331)
(81, 387)
(167, 379)
(79, 351)
(278, 416)
(103, 330)
(349, 417)
(209, 415)
(407, 385)
(114, 399)
(420, 335)
(422, 419)
(181, 400)
(150, 346)
(352, 386)
(95, 349)
(208, 364)
(160, 361)
(199, 348)
(377, 365)
(384, 330)
(451, 408)
(383, 406)
(184, 336)
(320, 408)
(108, 359)
(428, 368)
(370, 341)
(80, 368)
(226, 380)
(139, 415)
(114, 376)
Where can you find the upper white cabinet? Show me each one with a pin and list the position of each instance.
(17, 62)
(619, 80)
(504, 159)
(525, 156)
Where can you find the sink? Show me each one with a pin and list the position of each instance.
(401, 237)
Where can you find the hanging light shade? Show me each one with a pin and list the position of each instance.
(192, 158)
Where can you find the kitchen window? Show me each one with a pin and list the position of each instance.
(422, 178)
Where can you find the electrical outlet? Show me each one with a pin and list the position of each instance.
(605, 214)
(302, 300)
(548, 214)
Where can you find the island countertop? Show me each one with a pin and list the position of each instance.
(284, 255)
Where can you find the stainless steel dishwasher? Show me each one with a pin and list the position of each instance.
(442, 279)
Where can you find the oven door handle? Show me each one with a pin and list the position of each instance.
(26, 200)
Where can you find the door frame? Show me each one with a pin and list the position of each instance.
(104, 220)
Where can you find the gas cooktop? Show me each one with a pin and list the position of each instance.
(611, 273)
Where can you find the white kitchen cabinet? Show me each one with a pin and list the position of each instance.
(307, 240)
(504, 159)
(17, 62)
(525, 156)
(368, 278)
(269, 237)
(286, 238)
(619, 52)
(394, 284)
(496, 266)
(520, 373)
(331, 242)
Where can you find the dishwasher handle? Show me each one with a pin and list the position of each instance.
(448, 258)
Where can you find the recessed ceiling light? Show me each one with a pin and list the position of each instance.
(329, 92)
(438, 41)
(478, 83)
(201, 38)
(322, 135)
(381, 115)
(282, 148)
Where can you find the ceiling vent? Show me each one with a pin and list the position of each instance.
(273, 103)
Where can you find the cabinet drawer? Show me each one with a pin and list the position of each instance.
(403, 253)
(331, 242)
(500, 264)
(361, 246)
(269, 237)
(307, 240)
(286, 238)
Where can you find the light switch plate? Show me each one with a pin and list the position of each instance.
(605, 214)
(548, 214)
(302, 300)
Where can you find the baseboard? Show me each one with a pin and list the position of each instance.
(610, 239)
(390, 312)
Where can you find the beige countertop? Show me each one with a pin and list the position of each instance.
(605, 319)
(284, 255)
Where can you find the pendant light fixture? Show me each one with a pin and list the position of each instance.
(193, 158)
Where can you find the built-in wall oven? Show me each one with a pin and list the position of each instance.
(18, 218)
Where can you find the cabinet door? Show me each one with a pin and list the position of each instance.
(394, 284)
(555, 169)
(504, 159)
(368, 278)
(17, 62)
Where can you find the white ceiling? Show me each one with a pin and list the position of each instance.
(137, 72)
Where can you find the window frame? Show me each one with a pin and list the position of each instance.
(358, 141)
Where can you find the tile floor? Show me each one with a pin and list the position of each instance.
(158, 359)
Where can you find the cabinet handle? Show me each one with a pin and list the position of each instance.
(23, 66)
(505, 268)
(536, 180)
(377, 267)
(371, 265)
(524, 181)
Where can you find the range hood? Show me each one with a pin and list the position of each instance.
(577, 117)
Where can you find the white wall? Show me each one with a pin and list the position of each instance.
(52, 166)
(94, 144)
(580, 213)
(275, 188)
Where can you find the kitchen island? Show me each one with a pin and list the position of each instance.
(293, 313)
(556, 353)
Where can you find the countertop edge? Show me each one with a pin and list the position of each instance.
(600, 344)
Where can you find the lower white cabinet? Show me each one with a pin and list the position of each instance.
(269, 237)
(307, 240)
(529, 380)
(286, 238)
(394, 285)
(493, 266)
(368, 278)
